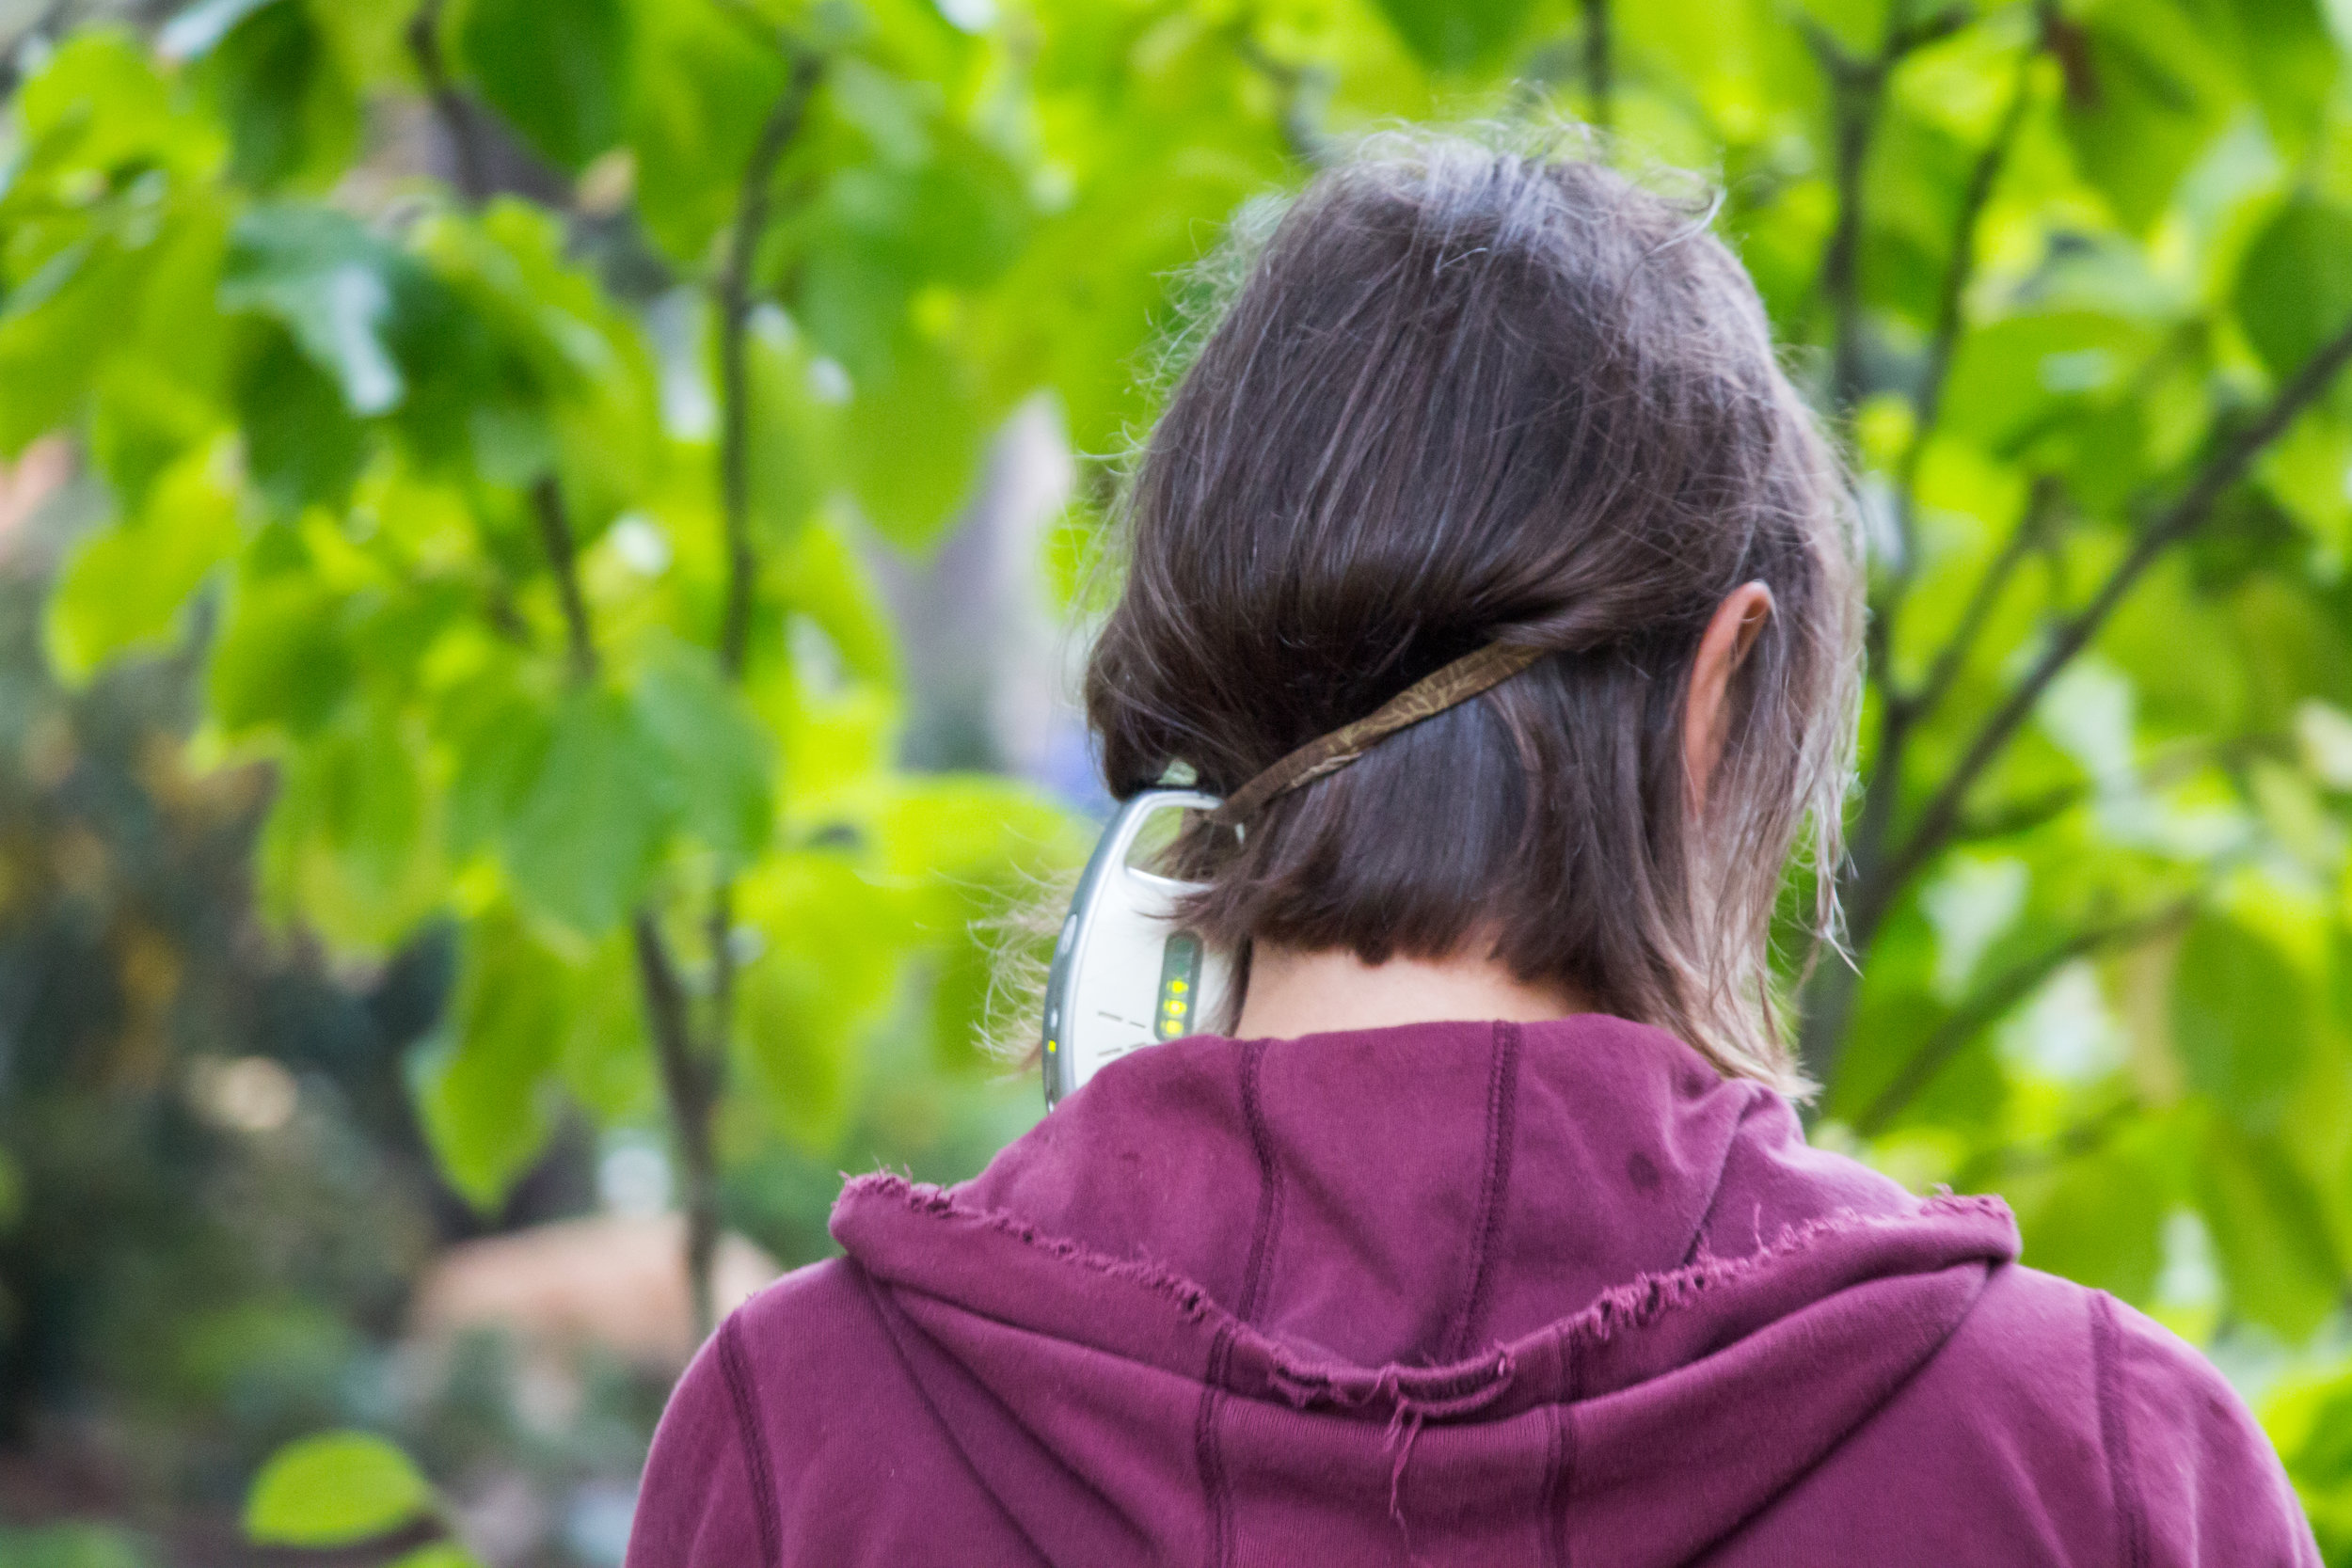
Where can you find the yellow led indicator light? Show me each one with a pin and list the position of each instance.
(1050, 1048)
(1179, 971)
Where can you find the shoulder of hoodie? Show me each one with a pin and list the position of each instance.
(2188, 1473)
(811, 1340)
(776, 1438)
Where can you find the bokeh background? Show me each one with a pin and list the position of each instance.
(544, 544)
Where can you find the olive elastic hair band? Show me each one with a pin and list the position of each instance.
(1457, 683)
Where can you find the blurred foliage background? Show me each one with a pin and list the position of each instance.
(539, 566)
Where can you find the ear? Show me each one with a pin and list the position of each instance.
(1730, 633)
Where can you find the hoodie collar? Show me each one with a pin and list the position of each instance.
(1409, 1212)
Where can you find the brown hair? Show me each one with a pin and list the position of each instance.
(1465, 395)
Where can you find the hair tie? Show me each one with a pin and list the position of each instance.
(1457, 683)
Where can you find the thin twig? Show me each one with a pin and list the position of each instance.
(449, 104)
(2016, 816)
(2041, 505)
(1982, 1010)
(1297, 87)
(1599, 88)
(692, 1093)
(1951, 313)
(733, 287)
(1858, 95)
(2175, 523)
(555, 537)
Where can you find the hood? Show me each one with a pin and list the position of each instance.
(1411, 1293)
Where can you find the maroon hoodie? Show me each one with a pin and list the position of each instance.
(1549, 1293)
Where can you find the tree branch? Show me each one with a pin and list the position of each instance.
(733, 287)
(2175, 523)
(1988, 1006)
(1858, 93)
(449, 104)
(692, 1090)
(555, 537)
(1951, 311)
(1296, 86)
(689, 1078)
(1953, 657)
(1600, 88)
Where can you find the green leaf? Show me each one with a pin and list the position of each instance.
(822, 577)
(836, 943)
(352, 301)
(2146, 91)
(794, 434)
(607, 1064)
(438, 1554)
(560, 376)
(56, 329)
(301, 443)
(2020, 374)
(912, 443)
(483, 1088)
(704, 87)
(1453, 35)
(715, 749)
(2292, 62)
(99, 104)
(2098, 1218)
(2243, 1016)
(582, 844)
(335, 1490)
(2270, 1228)
(123, 589)
(558, 69)
(142, 424)
(354, 837)
(293, 114)
(283, 659)
(497, 732)
(2294, 287)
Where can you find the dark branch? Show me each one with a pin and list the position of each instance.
(1299, 89)
(1599, 88)
(734, 287)
(1858, 95)
(692, 1090)
(735, 291)
(555, 537)
(2175, 523)
(1951, 310)
(2021, 816)
(449, 106)
(1982, 1010)
(1983, 599)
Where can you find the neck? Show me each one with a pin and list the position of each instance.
(1295, 992)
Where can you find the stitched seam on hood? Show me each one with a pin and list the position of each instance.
(1209, 1451)
(1559, 1487)
(2115, 1432)
(1620, 1309)
(890, 1322)
(736, 1371)
(1503, 1089)
(1270, 1193)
